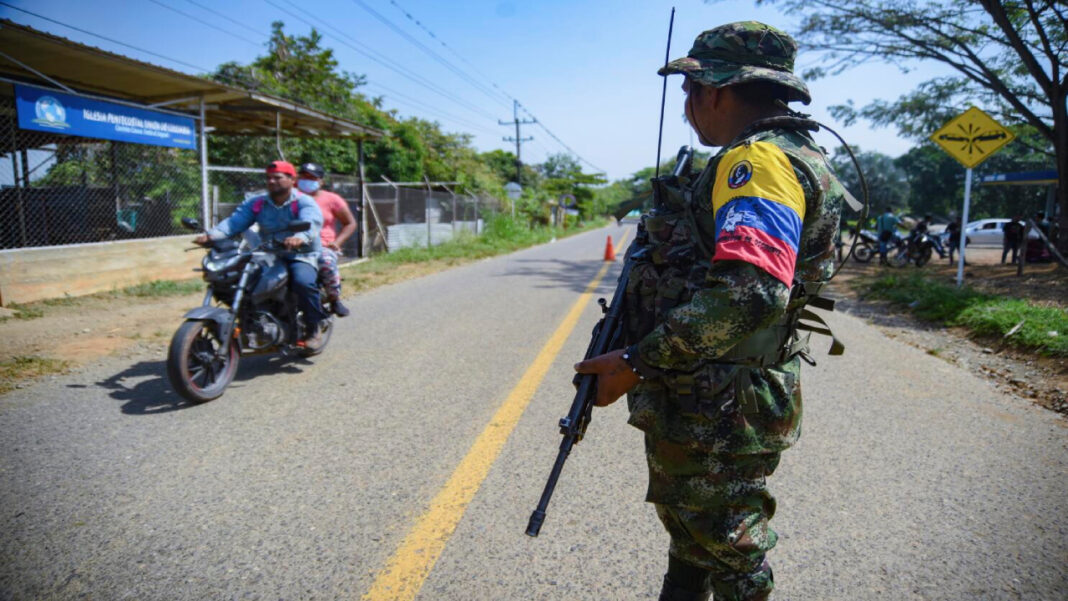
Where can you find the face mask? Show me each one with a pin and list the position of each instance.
(308, 186)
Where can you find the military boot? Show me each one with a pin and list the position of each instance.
(672, 592)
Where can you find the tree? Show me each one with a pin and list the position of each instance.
(887, 184)
(1009, 57)
(935, 180)
(563, 176)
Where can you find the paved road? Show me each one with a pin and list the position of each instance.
(913, 479)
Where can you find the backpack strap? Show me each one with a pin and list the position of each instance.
(257, 207)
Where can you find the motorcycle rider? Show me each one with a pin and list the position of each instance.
(274, 212)
(334, 208)
(922, 227)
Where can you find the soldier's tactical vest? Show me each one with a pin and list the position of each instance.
(674, 249)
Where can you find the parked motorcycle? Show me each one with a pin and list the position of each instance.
(254, 312)
(917, 249)
(867, 245)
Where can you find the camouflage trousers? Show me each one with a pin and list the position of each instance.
(718, 516)
(329, 276)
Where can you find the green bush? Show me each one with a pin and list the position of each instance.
(1042, 329)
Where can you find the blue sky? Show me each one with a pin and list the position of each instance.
(585, 69)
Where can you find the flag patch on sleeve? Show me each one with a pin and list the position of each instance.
(759, 206)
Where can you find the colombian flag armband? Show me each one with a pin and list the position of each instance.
(759, 207)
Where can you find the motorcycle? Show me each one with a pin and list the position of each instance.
(868, 245)
(248, 309)
(917, 249)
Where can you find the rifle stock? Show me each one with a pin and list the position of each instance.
(607, 336)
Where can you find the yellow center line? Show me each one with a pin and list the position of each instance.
(410, 565)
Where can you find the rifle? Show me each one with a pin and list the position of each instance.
(607, 336)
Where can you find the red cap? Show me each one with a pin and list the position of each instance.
(282, 167)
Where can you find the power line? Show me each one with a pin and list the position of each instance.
(203, 22)
(113, 41)
(558, 140)
(510, 97)
(420, 25)
(222, 16)
(384, 61)
(437, 57)
(430, 109)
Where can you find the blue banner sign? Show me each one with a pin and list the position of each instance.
(46, 110)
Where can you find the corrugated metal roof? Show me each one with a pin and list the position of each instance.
(231, 110)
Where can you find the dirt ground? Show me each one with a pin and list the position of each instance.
(1042, 379)
(78, 331)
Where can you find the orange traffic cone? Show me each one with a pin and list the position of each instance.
(609, 252)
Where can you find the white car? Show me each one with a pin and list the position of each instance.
(986, 232)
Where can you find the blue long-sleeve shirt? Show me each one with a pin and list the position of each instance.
(274, 221)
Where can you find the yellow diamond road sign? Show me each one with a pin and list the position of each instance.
(971, 137)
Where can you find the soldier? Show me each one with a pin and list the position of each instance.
(713, 308)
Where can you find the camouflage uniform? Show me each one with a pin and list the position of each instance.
(730, 259)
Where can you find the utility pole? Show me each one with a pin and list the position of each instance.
(518, 140)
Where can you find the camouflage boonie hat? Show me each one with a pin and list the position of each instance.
(739, 52)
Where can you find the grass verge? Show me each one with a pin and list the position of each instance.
(502, 235)
(17, 369)
(153, 289)
(1023, 324)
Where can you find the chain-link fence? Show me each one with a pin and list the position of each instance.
(230, 186)
(411, 215)
(57, 189)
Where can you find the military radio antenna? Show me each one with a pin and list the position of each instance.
(663, 92)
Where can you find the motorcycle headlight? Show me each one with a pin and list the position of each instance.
(214, 264)
(220, 263)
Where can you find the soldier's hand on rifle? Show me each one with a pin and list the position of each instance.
(614, 376)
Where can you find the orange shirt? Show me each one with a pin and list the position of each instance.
(331, 205)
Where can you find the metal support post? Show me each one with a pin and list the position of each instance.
(963, 225)
(205, 201)
(365, 243)
(427, 211)
(19, 188)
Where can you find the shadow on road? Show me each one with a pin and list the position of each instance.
(557, 273)
(144, 389)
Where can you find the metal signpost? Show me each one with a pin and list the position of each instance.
(970, 138)
(514, 192)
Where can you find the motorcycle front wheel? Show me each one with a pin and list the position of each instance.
(924, 258)
(196, 370)
(900, 258)
(863, 253)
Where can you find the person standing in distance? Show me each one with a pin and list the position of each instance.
(335, 209)
(886, 227)
(273, 213)
(712, 367)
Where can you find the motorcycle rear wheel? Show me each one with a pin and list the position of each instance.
(863, 253)
(328, 330)
(924, 258)
(194, 367)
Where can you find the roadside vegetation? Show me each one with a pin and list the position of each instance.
(17, 369)
(1020, 323)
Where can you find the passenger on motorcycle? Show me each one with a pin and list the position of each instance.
(334, 208)
(274, 212)
(886, 227)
